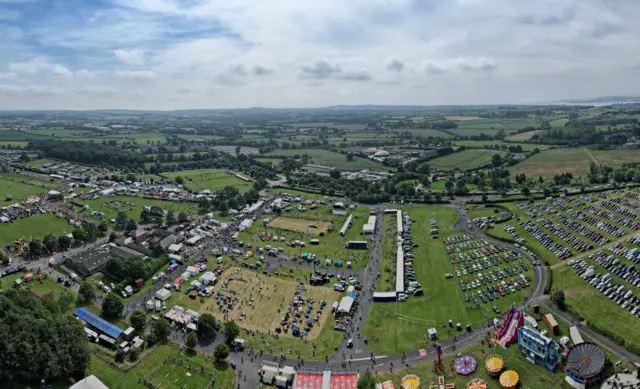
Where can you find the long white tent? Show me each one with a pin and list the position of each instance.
(399, 221)
(345, 227)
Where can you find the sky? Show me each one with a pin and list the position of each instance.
(182, 54)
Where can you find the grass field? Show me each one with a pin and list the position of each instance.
(47, 285)
(329, 158)
(111, 206)
(483, 143)
(462, 118)
(265, 299)
(599, 309)
(212, 179)
(331, 245)
(140, 138)
(464, 131)
(59, 132)
(531, 376)
(616, 158)
(17, 190)
(483, 212)
(116, 379)
(36, 226)
(13, 144)
(551, 162)
(558, 123)
(423, 132)
(299, 225)
(442, 301)
(200, 138)
(467, 159)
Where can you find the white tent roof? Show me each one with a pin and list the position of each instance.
(90, 382)
(345, 304)
(163, 294)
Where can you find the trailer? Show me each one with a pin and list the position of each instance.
(576, 338)
(357, 245)
(384, 296)
(552, 323)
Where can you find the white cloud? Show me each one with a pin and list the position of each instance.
(40, 65)
(6, 14)
(432, 67)
(8, 76)
(130, 57)
(137, 75)
(355, 75)
(99, 91)
(319, 68)
(475, 64)
(85, 74)
(29, 90)
(394, 64)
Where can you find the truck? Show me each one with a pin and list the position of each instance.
(158, 305)
(356, 244)
(139, 283)
(552, 323)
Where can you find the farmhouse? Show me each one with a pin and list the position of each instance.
(86, 263)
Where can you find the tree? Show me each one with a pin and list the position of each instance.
(35, 248)
(335, 173)
(4, 260)
(484, 198)
(179, 180)
(50, 243)
(103, 228)
(64, 242)
(525, 191)
(221, 352)
(171, 218)
(448, 185)
(157, 251)
(90, 232)
(65, 301)
(131, 225)
(366, 381)
(161, 331)
(496, 160)
(112, 237)
(86, 293)
(349, 157)
(112, 306)
(182, 217)
(192, 341)
(558, 298)
(138, 320)
(78, 234)
(231, 331)
(207, 326)
(121, 220)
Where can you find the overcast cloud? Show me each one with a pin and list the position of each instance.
(176, 54)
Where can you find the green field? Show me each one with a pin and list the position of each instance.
(13, 144)
(116, 379)
(17, 190)
(491, 143)
(483, 212)
(551, 162)
(140, 138)
(132, 211)
(36, 226)
(464, 160)
(442, 301)
(329, 158)
(615, 158)
(59, 132)
(200, 138)
(212, 179)
(423, 132)
(331, 244)
(45, 286)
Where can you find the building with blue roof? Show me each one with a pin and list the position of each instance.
(99, 323)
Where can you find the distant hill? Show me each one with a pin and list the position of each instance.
(603, 100)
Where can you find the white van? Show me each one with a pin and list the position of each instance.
(414, 284)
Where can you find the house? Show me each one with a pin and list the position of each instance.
(124, 252)
(88, 262)
(141, 249)
(139, 236)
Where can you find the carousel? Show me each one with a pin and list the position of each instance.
(477, 383)
(465, 365)
(494, 365)
(410, 381)
(509, 379)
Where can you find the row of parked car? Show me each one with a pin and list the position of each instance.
(544, 207)
(628, 273)
(627, 203)
(634, 225)
(495, 275)
(412, 286)
(557, 249)
(604, 283)
(597, 223)
(618, 209)
(512, 231)
(565, 235)
(581, 229)
(630, 254)
(529, 210)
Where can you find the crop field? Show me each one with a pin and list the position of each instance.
(523, 136)
(140, 138)
(345, 126)
(551, 162)
(331, 245)
(299, 225)
(329, 158)
(476, 131)
(443, 299)
(615, 158)
(59, 132)
(462, 118)
(271, 161)
(558, 123)
(262, 303)
(212, 179)
(36, 226)
(132, 206)
(467, 159)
